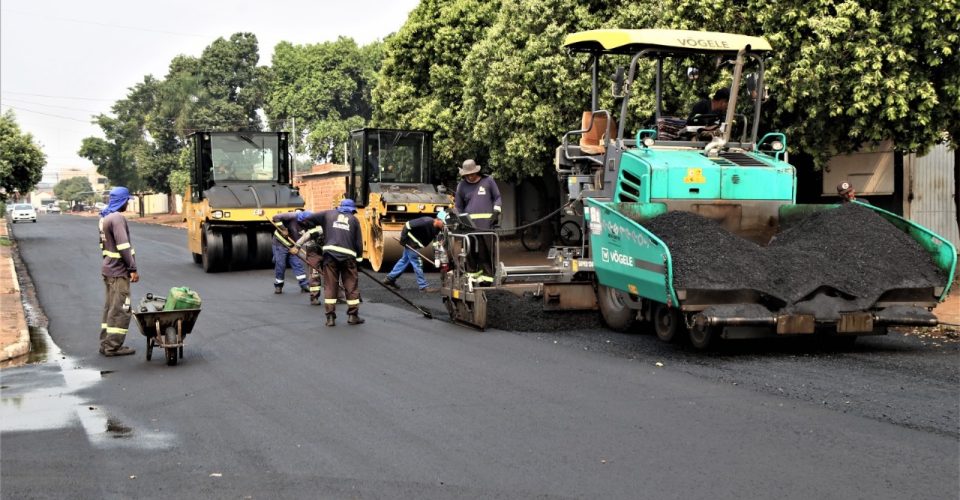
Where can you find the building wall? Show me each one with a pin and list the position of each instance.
(322, 186)
(930, 190)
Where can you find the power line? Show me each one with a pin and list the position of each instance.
(56, 96)
(21, 101)
(47, 114)
(79, 21)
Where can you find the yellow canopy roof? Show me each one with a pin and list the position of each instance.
(622, 41)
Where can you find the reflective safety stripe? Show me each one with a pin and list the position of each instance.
(283, 240)
(112, 255)
(314, 230)
(496, 208)
(412, 237)
(353, 302)
(485, 279)
(277, 282)
(481, 216)
(123, 246)
(116, 331)
(103, 326)
(301, 277)
(359, 259)
(316, 288)
(329, 301)
(342, 250)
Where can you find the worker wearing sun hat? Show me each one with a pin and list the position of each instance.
(342, 253)
(478, 196)
(118, 269)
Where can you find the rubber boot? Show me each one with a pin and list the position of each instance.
(354, 319)
(277, 288)
(113, 346)
(331, 319)
(315, 299)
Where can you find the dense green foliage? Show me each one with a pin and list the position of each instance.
(491, 80)
(75, 189)
(21, 160)
(843, 72)
(324, 90)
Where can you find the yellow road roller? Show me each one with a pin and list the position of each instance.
(392, 182)
(239, 180)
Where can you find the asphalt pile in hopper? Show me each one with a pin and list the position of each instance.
(851, 249)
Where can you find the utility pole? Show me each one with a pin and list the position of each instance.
(294, 156)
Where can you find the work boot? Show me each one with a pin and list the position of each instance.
(277, 288)
(331, 319)
(304, 289)
(391, 282)
(315, 300)
(121, 351)
(354, 319)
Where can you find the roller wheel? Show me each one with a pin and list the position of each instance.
(197, 258)
(376, 247)
(614, 309)
(666, 322)
(170, 338)
(239, 249)
(212, 246)
(264, 253)
(702, 337)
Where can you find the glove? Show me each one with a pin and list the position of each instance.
(496, 220)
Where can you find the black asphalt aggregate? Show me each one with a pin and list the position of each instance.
(270, 404)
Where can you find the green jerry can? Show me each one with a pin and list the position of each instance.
(181, 297)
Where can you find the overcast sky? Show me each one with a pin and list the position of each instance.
(62, 61)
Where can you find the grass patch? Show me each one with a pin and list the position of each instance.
(5, 241)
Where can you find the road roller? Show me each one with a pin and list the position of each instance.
(392, 182)
(238, 182)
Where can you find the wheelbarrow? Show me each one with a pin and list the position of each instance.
(166, 330)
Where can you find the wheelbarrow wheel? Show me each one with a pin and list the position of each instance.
(170, 338)
(149, 348)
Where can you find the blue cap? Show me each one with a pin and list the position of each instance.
(303, 214)
(118, 197)
(347, 206)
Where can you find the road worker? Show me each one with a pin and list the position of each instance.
(342, 253)
(288, 231)
(415, 235)
(478, 196)
(846, 192)
(119, 269)
(310, 247)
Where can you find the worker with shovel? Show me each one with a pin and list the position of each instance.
(288, 231)
(342, 253)
(416, 234)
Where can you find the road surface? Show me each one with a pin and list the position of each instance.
(268, 403)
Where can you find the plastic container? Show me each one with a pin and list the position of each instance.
(181, 297)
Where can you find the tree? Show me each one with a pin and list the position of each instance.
(75, 189)
(21, 160)
(326, 88)
(422, 80)
(491, 79)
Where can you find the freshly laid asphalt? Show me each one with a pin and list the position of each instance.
(268, 403)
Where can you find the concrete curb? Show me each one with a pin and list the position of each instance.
(19, 346)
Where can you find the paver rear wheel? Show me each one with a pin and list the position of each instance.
(614, 309)
(666, 322)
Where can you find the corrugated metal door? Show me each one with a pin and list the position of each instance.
(931, 185)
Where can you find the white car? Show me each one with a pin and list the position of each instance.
(53, 209)
(23, 211)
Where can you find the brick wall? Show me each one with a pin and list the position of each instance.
(322, 186)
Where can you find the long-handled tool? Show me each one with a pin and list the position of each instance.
(425, 313)
(428, 259)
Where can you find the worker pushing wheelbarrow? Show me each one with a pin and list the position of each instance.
(165, 322)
